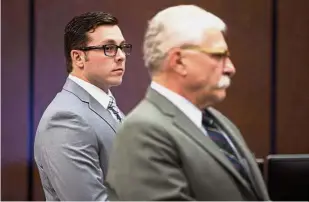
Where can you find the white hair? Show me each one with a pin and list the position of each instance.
(176, 26)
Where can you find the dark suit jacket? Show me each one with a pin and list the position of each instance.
(72, 146)
(160, 154)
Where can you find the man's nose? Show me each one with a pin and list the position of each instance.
(120, 56)
(229, 67)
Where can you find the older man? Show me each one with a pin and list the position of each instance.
(173, 145)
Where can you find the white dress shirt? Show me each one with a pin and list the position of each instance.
(192, 112)
(94, 91)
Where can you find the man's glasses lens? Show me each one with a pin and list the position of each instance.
(111, 49)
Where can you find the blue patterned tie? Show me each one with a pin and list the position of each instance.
(226, 146)
(112, 107)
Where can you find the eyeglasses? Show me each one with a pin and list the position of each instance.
(110, 50)
(216, 53)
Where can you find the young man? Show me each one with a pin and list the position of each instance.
(76, 131)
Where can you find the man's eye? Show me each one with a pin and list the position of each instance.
(219, 55)
(110, 48)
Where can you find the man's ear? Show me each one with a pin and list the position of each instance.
(78, 58)
(175, 59)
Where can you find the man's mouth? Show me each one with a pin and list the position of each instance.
(118, 70)
(224, 82)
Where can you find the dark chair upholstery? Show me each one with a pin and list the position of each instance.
(287, 177)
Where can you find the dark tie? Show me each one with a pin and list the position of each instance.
(226, 146)
(112, 108)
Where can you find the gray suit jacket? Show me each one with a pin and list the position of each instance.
(72, 146)
(160, 154)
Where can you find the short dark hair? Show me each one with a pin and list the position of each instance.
(75, 32)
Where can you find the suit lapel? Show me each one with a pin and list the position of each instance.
(192, 131)
(183, 123)
(254, 173)
(97, 108)
(93, 104)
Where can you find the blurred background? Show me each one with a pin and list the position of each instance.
(268, 101)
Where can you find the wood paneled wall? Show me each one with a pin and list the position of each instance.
(14, 99)
(293, 73)
(249, 99)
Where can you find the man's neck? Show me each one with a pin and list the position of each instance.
(104, 88)
(175, 87)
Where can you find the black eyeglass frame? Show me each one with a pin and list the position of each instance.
(104, 48)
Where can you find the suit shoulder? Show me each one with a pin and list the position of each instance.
(65, 107)
(146, 121)
(145, 112)
(65, 101)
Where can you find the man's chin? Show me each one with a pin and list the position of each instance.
(220, 95)
(116, 82)
(215, 97)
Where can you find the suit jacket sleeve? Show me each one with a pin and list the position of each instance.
(147, 167)
(71, 158)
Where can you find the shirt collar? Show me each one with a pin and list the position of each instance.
(93, 90)
(193, 113)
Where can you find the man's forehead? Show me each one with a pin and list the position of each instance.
(214, 39)
(111, 34)
(112, 40)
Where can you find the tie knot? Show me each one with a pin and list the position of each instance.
(207, 121)
(112, 107)
(112, 102)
